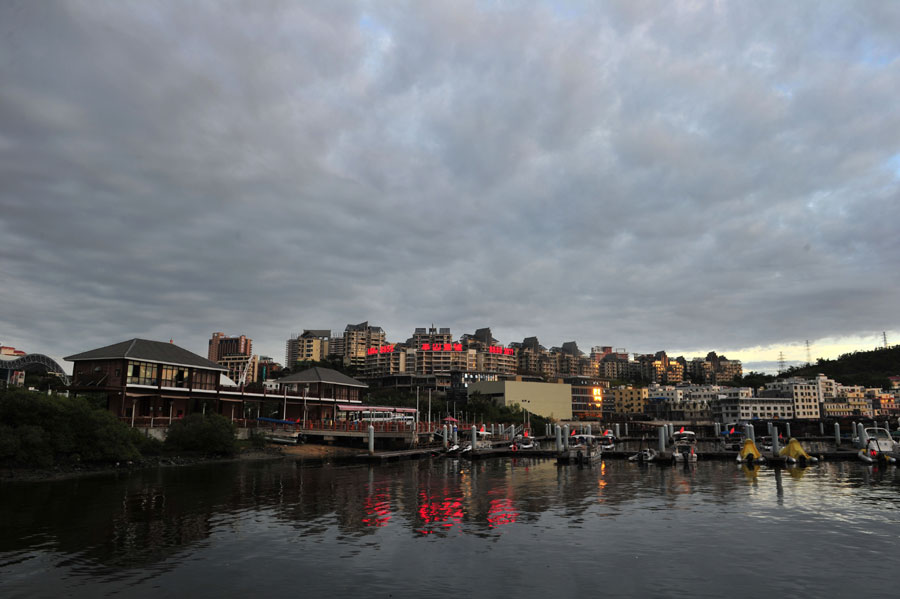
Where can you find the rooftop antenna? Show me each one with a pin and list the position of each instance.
(808, 355)
(780, 362)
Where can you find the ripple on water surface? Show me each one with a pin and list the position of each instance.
(445, 526)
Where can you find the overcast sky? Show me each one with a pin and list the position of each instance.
(686, 176)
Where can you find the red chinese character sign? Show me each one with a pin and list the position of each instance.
(384, 349)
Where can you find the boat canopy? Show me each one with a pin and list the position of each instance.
(749, 449)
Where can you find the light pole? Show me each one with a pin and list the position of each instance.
(305, 391)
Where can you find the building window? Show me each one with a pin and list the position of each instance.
(141, 373)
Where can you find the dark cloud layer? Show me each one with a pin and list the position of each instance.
(649, 175)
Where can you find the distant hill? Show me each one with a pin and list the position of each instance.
(869, 368)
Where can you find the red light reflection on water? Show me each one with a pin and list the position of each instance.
(501, 511)
(378, 510)
(441, 513)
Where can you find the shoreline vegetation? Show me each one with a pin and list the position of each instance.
(55, 437)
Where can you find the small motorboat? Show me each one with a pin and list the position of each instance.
(523, 443)
(879, 447)
(685, 447)
(644, 455)
(607, 441)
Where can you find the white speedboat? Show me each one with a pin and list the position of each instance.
(879, 447)
(608, 441)
(685, 446)
(523, 443)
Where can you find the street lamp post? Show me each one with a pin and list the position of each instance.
(305, 391)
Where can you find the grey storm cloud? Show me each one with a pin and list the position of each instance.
(651, 175)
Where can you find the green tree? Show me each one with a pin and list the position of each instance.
(209, 434)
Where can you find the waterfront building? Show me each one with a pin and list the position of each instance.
(460, 381)
(587, 396)
(143, 378)
(828, 389)
(742, 409)
(883, 403)
(805, 394)
(836, 408)
(221, 345)
(317, 394)
(550, 400)
(630, 400)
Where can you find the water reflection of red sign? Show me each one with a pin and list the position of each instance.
(443, 513)
(378, 510)
(501, 511)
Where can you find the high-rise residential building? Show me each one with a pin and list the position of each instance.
(529, 355)
(222, 345)
(435, 352)
(389, 359)
(358, 338)
(614, 365)
(312, 345)
(336, 347)
(242, 369)
(236, 354)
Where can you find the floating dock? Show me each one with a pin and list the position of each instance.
(706, 451)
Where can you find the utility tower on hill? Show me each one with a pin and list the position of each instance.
(780, 362)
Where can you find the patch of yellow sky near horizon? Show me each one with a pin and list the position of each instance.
(827, 347)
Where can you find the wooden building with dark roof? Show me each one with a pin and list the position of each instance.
(321, 388)
(152, 383)
(146, 379)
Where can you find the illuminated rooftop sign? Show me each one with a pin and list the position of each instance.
(432, 347)
(384, 349)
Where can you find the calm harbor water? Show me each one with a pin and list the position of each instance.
(447, 528)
